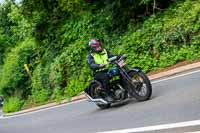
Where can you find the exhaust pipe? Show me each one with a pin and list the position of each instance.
(98, 100)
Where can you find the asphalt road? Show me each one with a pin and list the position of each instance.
(0, 112)
(174, 100)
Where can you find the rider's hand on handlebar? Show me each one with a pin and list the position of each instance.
(102, 65)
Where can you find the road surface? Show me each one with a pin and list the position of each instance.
(174, 101)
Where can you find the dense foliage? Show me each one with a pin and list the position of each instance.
(43, 43)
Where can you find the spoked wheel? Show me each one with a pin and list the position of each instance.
(96, 92)
(95, 89)
(142, 88)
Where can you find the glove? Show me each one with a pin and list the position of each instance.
(102, 65)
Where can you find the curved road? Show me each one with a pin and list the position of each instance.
(174, 100)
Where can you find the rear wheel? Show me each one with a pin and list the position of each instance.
(96, 92)
(142, 89)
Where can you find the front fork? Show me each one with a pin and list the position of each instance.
(128, 79)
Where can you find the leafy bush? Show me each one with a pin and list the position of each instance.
(164, 39)
(40, 89)
(70, 70)
(2, 47)
(74, 87)
(13, 104)
(14, 78)
(40, 96)
(22, 28)
(58, 94)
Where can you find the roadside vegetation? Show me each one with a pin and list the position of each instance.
(43, 44)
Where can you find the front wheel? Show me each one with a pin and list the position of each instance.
(142, 89)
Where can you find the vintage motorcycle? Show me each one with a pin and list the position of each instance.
(125, 83)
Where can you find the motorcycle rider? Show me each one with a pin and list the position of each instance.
(97, 59)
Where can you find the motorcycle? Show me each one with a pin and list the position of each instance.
(125, 83)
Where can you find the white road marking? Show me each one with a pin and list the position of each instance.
(193, 132)
(154, 82)
(156, 127)
(177, 76)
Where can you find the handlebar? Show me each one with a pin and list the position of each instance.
(115, 58)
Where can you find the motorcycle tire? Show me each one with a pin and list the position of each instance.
(95, 94)
(146, 82)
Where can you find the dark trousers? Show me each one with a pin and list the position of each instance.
(103, 77)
